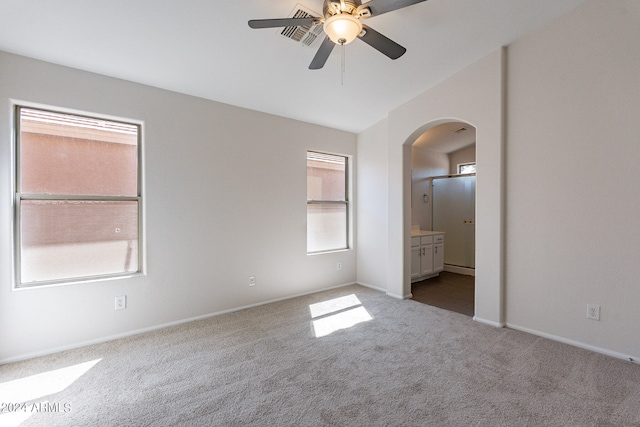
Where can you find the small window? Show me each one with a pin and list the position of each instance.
(327, 202)
(78, 199)
(466, 168)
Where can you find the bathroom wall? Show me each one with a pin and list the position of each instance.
(463, 155)
(425, 163)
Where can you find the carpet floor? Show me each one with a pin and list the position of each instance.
(346, 357)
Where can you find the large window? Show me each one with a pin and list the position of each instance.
(327, 202)
(78, 199)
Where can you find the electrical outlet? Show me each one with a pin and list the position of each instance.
(593, 311)
(252, 281)
(339, 266)
(121, 302)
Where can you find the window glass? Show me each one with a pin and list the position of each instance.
(467, 168)
(72, 155)
(326, 177)
(327, 204)
(326, 227)
(71, 239)
(78, 198)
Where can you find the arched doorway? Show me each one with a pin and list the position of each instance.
(443, 181)
(477, 95)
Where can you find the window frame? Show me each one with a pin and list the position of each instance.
(345, 202)
(19, 197)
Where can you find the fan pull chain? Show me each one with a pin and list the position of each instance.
(342, 64)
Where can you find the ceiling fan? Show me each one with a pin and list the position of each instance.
(342, 23)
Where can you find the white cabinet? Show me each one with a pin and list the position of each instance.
(427, 255)
(438, 253)
(416, 256)
(426, 261)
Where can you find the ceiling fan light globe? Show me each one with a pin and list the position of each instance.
(342, 28)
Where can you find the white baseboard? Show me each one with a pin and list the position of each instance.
(460, 270)
(375, 288)
(396, 296)
(488, 322)
(101, 340)
(628, 358)
(392, 295)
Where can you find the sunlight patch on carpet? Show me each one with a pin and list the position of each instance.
(337, 314)
(34, 387)
(333, 305)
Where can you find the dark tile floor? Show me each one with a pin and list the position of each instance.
(451, 291)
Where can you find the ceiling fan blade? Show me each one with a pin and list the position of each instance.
(282, 22)
(381, 43)
(378, 7)
(322, 54)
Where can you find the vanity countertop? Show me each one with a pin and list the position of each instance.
(417, 233)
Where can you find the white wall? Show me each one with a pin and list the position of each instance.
(475, 96)
(371, 201)
(225, 198)
(463, 155)
(573, 193)
(563, 198)
(221, 207)
(425, 163)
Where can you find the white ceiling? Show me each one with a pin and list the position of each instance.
(447, 137)
(205, 48)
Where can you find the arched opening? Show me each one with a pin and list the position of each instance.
(442, 205)
(475, 96)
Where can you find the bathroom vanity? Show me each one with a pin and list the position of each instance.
(427, 254)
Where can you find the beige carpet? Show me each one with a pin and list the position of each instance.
(403, 364)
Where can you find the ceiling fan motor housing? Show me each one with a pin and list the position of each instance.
(331, 8)
(342, 20)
